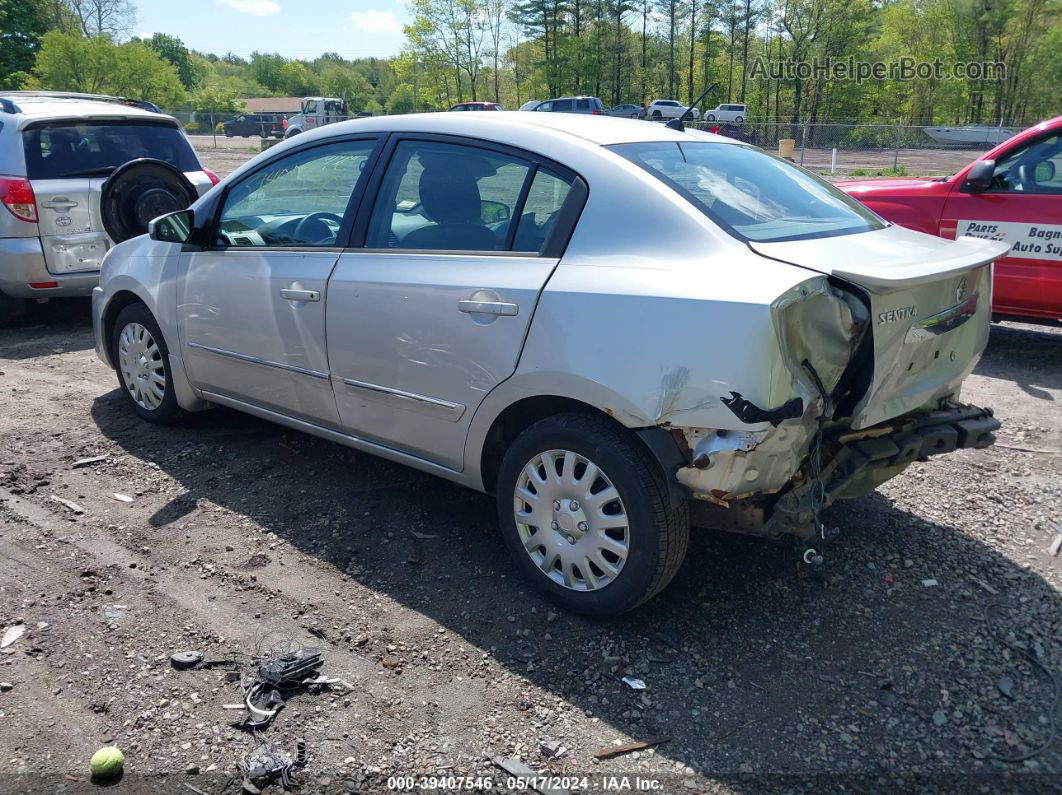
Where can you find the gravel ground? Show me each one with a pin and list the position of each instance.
(239, 532)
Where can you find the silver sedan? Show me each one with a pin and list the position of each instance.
(489, 300)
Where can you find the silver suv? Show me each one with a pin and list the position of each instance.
(57, 152)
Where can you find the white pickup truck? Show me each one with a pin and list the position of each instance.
(316, 112)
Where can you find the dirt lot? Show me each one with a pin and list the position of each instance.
(239, 533)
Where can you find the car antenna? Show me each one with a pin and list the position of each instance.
(677, 124)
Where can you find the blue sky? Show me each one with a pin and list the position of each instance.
(294, 28)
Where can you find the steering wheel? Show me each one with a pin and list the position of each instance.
(305, 225)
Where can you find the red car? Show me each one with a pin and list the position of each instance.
(1013, 194)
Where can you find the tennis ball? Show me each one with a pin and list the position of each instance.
(107, 762)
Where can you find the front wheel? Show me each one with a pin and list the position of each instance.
(587, 515)
(657, 115)
(141, 360)
(710, 117)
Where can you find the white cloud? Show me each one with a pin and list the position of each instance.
(256, 8)
(375, 21)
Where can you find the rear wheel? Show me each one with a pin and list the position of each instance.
(141, 360)
(657, 114)
(587, 515)
(12, 310)
(739, 119)
(710, 117)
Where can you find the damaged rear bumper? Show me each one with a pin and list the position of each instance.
(852, 463)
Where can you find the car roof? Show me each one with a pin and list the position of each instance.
(601, 130)
(34, 106)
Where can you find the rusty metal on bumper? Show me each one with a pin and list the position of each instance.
(854, 463)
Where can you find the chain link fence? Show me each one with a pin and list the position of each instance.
(841, 150)
(831, 149)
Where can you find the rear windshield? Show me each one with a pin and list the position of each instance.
(97, 148)
(751, 194)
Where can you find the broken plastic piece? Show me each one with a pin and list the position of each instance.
(748, 412)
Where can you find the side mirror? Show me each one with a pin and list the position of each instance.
(492, 212)
(979, 178)
(175, 227)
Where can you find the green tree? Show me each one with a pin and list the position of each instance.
(68, 62)
(343, 81)
(172, 49)
(401, 101)
(296, 79)
(22, 25)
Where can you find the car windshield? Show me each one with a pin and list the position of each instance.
(751, 194)
(65, 149)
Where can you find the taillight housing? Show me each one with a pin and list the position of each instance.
(214, 178)
(16, 194)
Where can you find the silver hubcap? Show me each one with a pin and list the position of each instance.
(140, 361)
(571, 520)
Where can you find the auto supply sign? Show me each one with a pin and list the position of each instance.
(1028, 241)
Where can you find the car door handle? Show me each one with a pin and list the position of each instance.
(290, 294)
(60, 203)
(471, 306)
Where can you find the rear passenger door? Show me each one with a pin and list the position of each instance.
(428, 313)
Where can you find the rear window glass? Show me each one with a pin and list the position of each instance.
(751, 194)
(93, 149)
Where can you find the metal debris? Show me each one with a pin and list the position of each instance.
(552, 748)
(930, 583)
(634, 684)
(286, 670)
(1056, 544)
(121, 497)
(84, 462)
(69, 504)
(268, 763)
(187, 660)
(626, 748)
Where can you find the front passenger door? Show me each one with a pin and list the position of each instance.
(251, 307)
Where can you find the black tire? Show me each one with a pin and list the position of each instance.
(167, 412)
(739, 119)
(12, 310)
(658, 525)
(229, 134)
(710, 117)
(657, 114)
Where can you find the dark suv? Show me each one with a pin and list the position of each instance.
(572, 105)
(263, 124)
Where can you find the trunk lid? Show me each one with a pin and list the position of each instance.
(930, 307)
